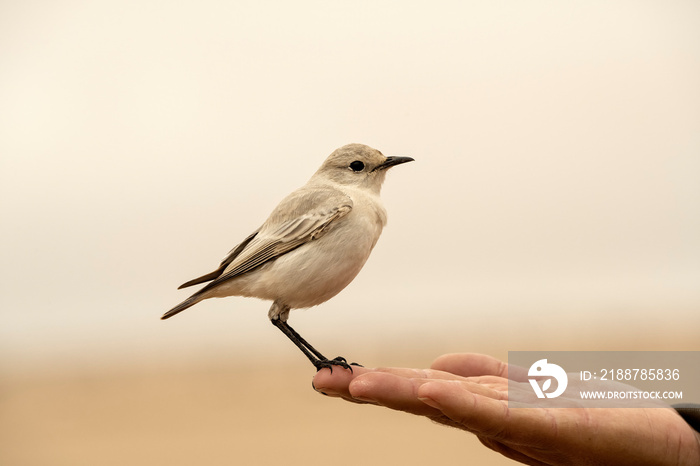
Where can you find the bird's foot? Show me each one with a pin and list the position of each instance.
(339, 361)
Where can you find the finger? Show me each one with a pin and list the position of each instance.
(477, 412)
(335, 383)
(470, 365)
(488, 415)
(474, 364)
(392, 391)
(419, 373)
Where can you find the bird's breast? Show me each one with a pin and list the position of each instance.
(320, 269)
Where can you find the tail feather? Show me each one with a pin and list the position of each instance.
(189, 302)
(204, 278)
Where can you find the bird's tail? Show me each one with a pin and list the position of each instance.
(191, 301)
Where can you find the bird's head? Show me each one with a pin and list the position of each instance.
(358, 165)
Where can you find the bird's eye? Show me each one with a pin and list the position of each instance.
(357, 166)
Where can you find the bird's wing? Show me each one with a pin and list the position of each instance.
(303, 216)
(232, 254)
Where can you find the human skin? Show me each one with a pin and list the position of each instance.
(470, 392)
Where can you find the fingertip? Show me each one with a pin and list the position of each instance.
(446, 361)
(430, 402)
(428, 394)
(361, 388)
(336, 382)
(321, 377)
(375, 385)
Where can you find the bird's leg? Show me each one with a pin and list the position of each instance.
(278, 315)
(317, 359)
(322, 360)
(302, 344)
(294, 335)
(337, 361)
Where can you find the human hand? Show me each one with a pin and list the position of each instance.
(470, 392)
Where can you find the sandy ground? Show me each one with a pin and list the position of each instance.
(221, 415)
(217, 412)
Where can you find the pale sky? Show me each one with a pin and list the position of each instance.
(557, 149)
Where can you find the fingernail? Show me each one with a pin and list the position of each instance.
(326, 392)
(430, 402)
(317, 390)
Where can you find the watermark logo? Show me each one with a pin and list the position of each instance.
(542, 368)
(602, 379)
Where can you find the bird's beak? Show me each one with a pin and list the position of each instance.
(391, 161)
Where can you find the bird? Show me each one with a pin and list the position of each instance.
(313, 244)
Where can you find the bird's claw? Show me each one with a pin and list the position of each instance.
(329, 363)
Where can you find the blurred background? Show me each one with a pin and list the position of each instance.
(554, 205)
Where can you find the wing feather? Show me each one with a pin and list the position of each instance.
(288, 237)
(233, 253)
(303, 216)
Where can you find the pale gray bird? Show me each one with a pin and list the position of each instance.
(311, 247)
